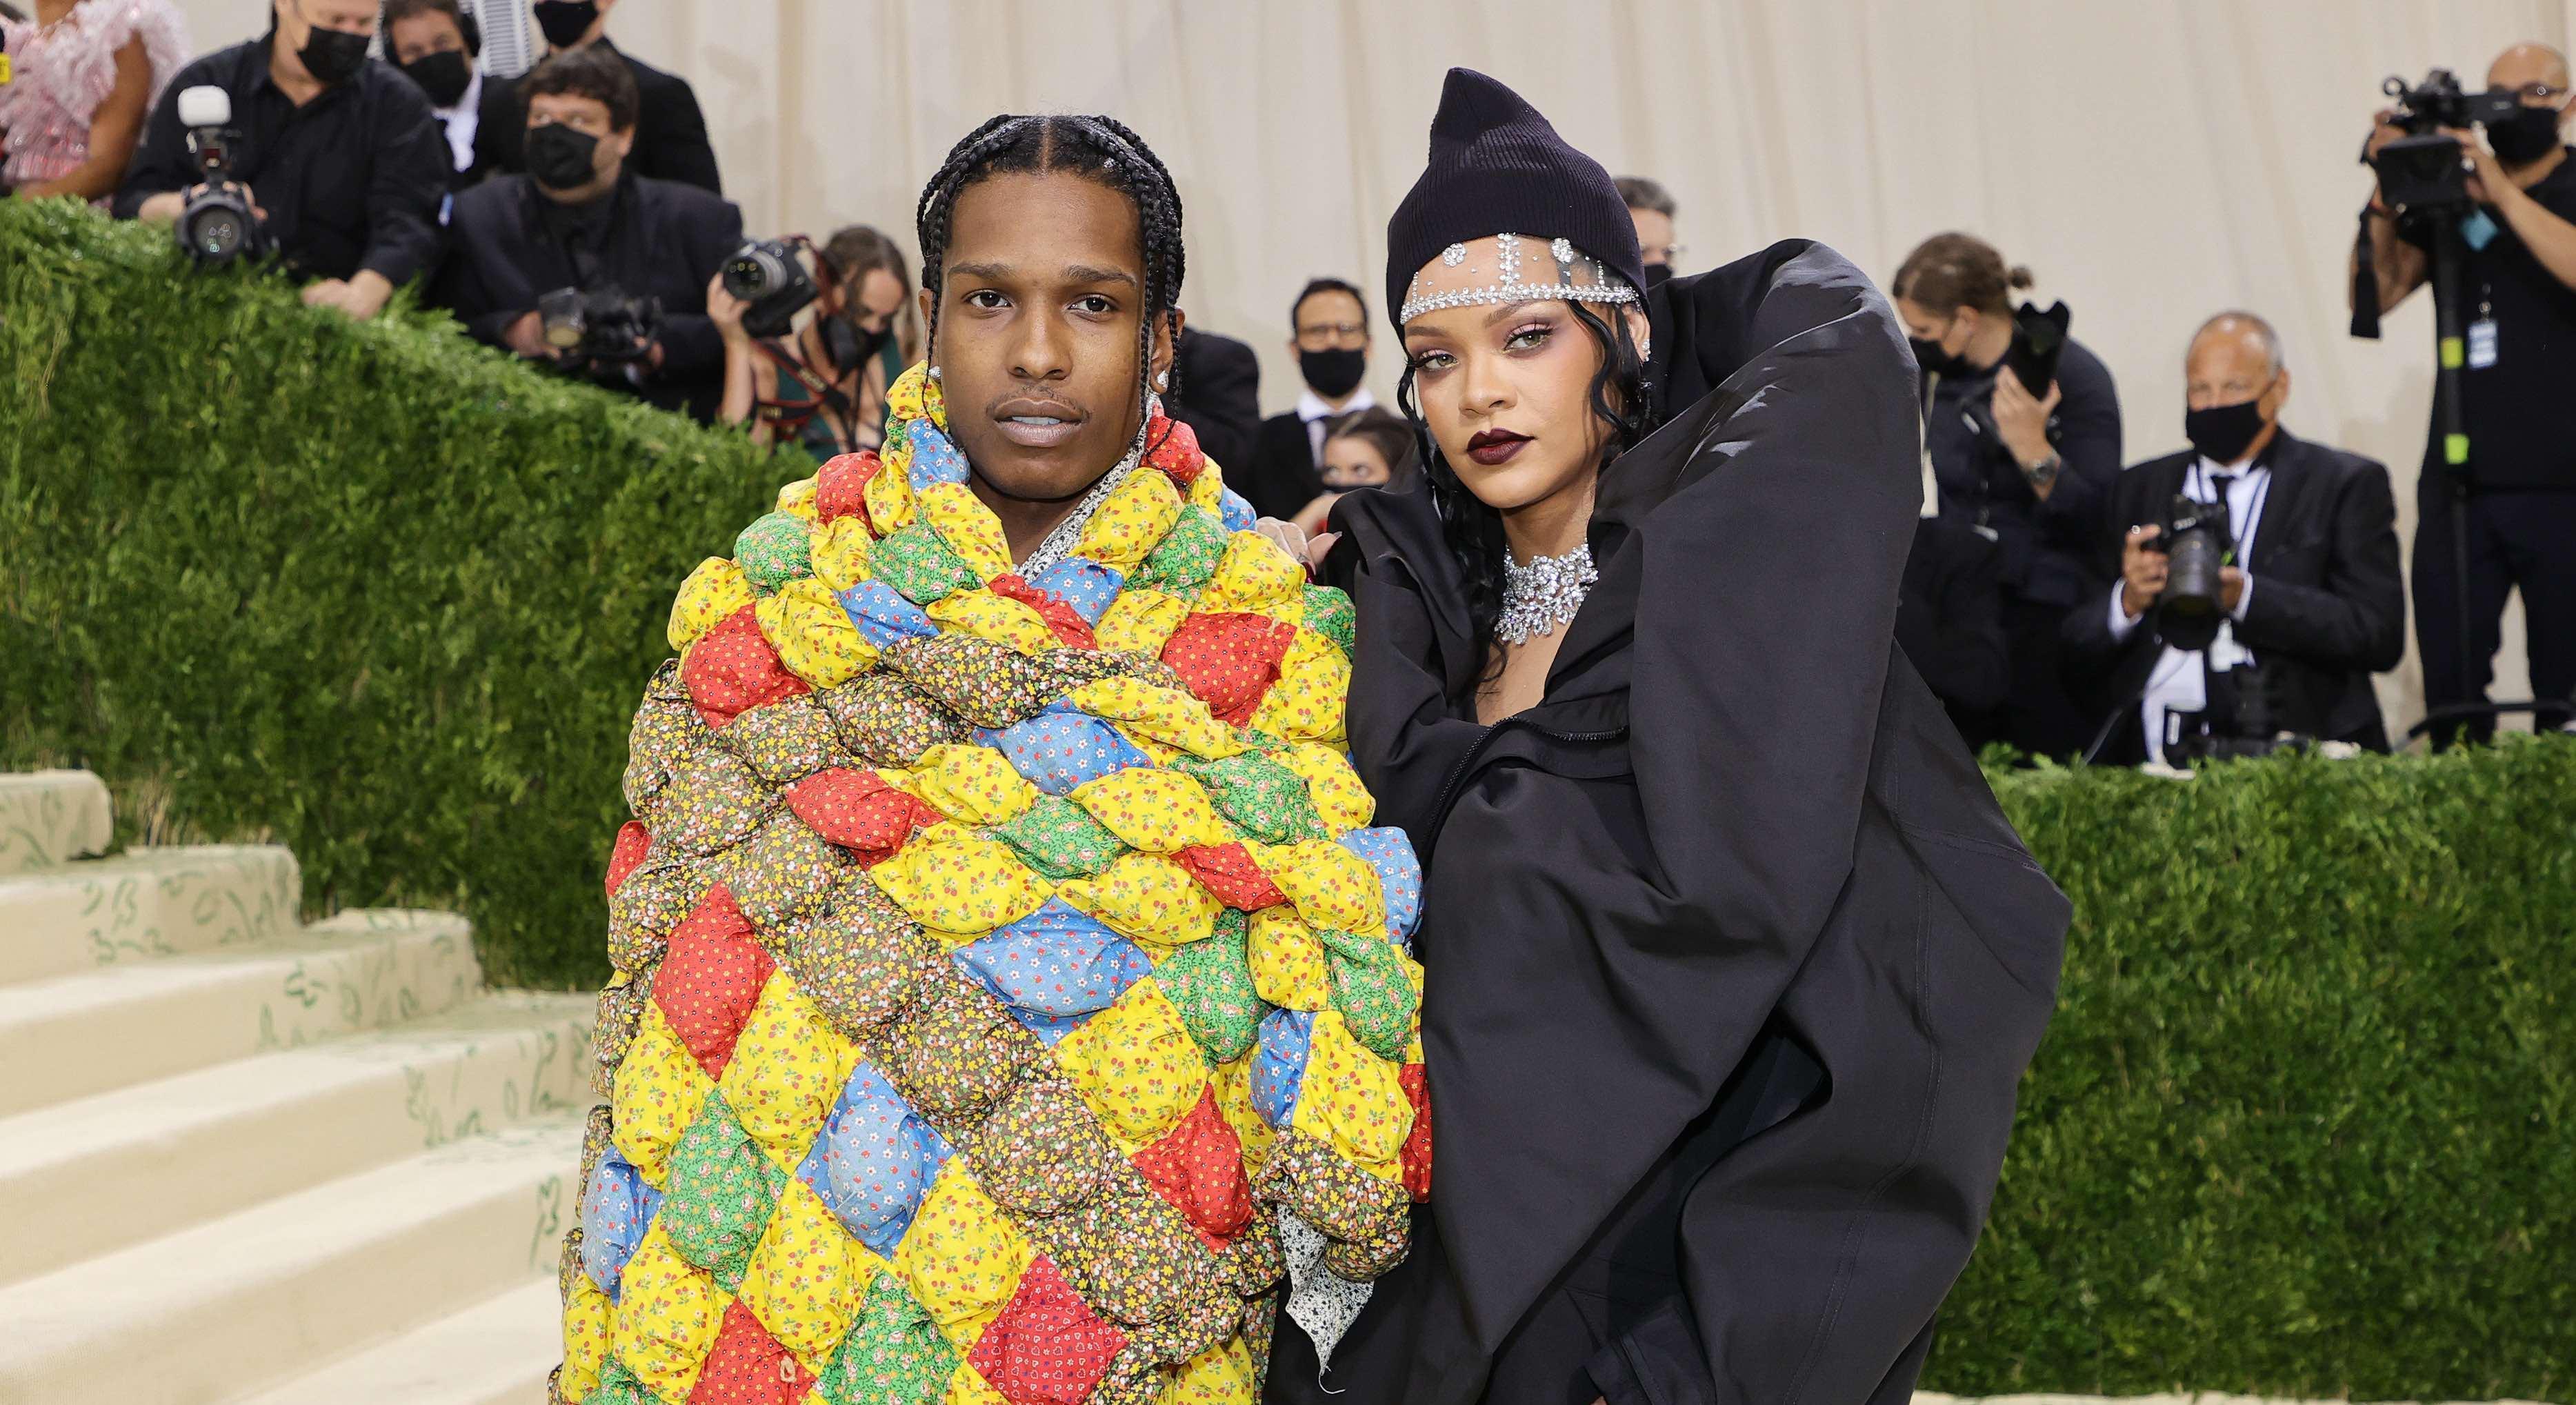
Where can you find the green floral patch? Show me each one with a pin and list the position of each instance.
(720, 1195)
(1060, 839)
(1264, 799)
(618, 1386)
(1329, 613)
(1210, 983)
(1370, 989)
(920, 566)
(894, 1355)
(1188, 555)
(773, 551)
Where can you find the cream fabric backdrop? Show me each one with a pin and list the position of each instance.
(2153, 160)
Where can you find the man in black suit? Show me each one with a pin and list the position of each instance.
(1217, 393)
(439, 46)
(2313, 603)
(670, 132)
(1329, 336)
(581, 220)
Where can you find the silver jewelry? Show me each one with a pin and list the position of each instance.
(934, 373)
(1604, 287)
(1543, 594)
(1060, 542)
(1162, 380)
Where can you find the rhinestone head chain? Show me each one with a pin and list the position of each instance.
(1579, 278)
(1543, 594)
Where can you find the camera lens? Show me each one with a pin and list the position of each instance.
(215, 233)
(754, 274)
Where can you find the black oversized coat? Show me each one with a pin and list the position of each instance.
(1733, 962)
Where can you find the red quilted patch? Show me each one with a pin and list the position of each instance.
(1228, 871)
(1176, 451)
(859, 811)
(1415, 1156)
(1199, 1168)
(1071, 629)
(1047, 1347)
(840, 489)
(710, 980)
(1229, 660)
(747, 1366)
(732, 669)
(627, 854)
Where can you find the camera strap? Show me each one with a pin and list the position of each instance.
(2365, 284)
(825, 397)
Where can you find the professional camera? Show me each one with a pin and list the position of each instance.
(2039, 339)
(599, 327)
(217, 224)
(2260, 726)
(774, 278)
(2197, 543)
(2422, 170)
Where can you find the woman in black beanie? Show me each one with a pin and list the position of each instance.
(1732, 961)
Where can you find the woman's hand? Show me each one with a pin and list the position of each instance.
(725, 310)
(2021, 421)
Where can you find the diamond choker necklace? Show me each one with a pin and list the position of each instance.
(1543, 594)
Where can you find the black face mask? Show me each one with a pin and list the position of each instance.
(565, 21)
(1658, 274)
(444, 76)
(333, 57)
(2221, 432)
(562, 158)
(2526, 136)
(1335, 373)
(1935, 361)
(851, 346)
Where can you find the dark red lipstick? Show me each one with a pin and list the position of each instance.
(1495, 447)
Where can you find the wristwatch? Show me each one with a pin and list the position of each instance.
(2044, 472)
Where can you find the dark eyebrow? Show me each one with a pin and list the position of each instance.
(989, 272)
(1085, 273)
(1510, 310)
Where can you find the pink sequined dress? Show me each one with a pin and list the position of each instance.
(66, 69)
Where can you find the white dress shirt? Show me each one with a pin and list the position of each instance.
(2177, 685)
(1312, 409)
(462, 120)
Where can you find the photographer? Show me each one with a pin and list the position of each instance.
(341, 158)
(2518, 306)
(823, 386)
(2030, 473)
(2307, 604)
(579, 221)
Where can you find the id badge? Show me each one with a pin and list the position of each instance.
(2479, 229)
(2482, 343)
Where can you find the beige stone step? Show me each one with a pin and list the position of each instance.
(80, 1035)
(497, 1352)
(143, 1161)
(143, 904)
(261, 1297)
(51, 817)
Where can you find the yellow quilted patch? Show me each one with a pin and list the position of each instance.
(1331, 886)
(914, 394)
(1167, 715)
(1233, 1080)
(1253, 574)
(1306, 704)
(797, 500)
(996, 617)
(712, 592)
(1146, 898)
(1160, 812)
(1140, 621)
(807, 1277)
(961, 1257)
(1136, 1065)
(970, 528)
(1208, 489)
(658, 1093)
(971, 785)
(840, 553)
(787, 1067)
(1353, 1100)
(889, 499)
(813, 634)
(1289, 968)
(589, 1322)
(951, 878)
(968, 1387)
(1331, 784)
(1131, 523)
(668, 1313)
(1220, 1375)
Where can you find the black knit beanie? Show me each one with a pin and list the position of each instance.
(1497, 167)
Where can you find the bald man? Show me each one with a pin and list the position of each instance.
(2515, 511)
(2313, 601)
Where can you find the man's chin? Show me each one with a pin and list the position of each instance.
(1052, 474)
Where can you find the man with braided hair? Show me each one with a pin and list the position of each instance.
(1012, 999)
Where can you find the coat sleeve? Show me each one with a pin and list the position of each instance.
(680, 150)
(2088, 439)
(406, 183)
(2355, 618)
(1222, 390)
(710, 229)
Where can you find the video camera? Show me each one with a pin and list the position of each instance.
(774, 278)
(218, 223)
(599, 328)
(2197, 543)
(2422, 171)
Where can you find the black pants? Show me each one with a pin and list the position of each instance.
(2516, 540)
(2039, 714)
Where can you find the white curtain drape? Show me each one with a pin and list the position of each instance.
(2154, 161)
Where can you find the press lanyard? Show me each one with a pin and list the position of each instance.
(2240, 552)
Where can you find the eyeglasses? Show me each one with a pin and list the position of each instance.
(1324, 336)
(2539, 92)
(1672, 253)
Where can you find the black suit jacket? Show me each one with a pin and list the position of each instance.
(2328, 607)
(670, 132)
(669, 240)
(1218, 395)
(1281, 479)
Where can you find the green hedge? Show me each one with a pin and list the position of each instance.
(371, 589)
(2301, 1127)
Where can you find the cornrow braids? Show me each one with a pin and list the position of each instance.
(1100, 149)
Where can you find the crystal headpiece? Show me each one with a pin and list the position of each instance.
(1604, 287)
